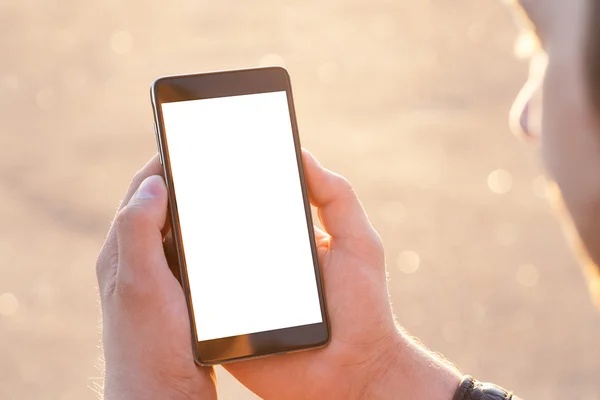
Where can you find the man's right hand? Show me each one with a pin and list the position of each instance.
(368, 357)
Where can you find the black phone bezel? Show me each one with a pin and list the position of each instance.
(223, 84)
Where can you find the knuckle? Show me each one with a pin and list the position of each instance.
(378, 247)
(343, 182)
(125, 287)
(101, 263)
(343, 185)
(109, 289)
(372, 246)
(138, 178)
(377, 242)
(106, 267)
(131, 288)
(130, 217)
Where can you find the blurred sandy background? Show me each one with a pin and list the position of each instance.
(407, 98)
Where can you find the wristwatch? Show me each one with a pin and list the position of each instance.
(470, 389)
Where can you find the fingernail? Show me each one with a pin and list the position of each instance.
(149, 189)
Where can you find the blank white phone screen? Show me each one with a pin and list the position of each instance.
(241, 214)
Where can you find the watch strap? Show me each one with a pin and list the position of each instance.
(470, 389)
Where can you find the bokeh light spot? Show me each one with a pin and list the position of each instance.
(9, 305)
(272, 59)
(500, 181)
(45, 98)
(121, 42)
(408, 262)
(528, 275)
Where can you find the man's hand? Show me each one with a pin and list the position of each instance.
(146, 328)
(147, 331)
(368, 357)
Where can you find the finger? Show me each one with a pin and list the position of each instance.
(166, 230)
(106, 265)
(152, 167)
(142, 260)
(172, 256)
(322, 239)
(340, 210)
(320, 234)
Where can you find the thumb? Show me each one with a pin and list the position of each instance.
(141, 255)
(340, 210)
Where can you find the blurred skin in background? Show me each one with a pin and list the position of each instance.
(146, 328)
(560, 107)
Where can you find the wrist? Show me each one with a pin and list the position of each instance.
(409, 370)
(132, 386)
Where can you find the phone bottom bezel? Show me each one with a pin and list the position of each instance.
(261, 344)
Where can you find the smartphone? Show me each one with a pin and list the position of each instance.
(240, 213)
